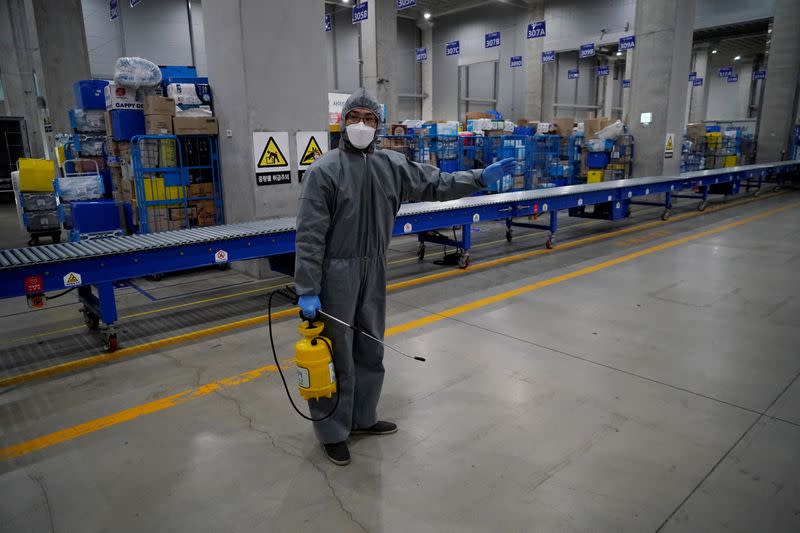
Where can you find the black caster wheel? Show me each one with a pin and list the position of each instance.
(509, 236)
(550, 243)
(155, 277)
(31, 242)
(665, 215)
(111, 343)
(463, 261)
(421, 252)
(92, 320)
(56, 238)
(702, 206)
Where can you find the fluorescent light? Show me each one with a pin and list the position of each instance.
(346, 1)
(713, 51)
(619, 53)
(427, 15)
(769, 30)
(737, 58)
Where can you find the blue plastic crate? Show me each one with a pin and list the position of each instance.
(126, 123)
(89, 94)
(597, 159)
(177, 71)
(94, 217)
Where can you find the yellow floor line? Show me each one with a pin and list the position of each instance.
(78, 364)
(71, 433)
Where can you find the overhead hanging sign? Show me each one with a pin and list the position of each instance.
(327, 23)
(360, 13)
(626, 84)
(697, 82)
(453, 48)
(724, 72)
(669, 146)
(536, 29)
(587, 50)
(422, 54)
(603, 70)
(626, 43)
(310, 147)
(492, 39)
(733, 78)
(269, 157)
(405, 4)
(759, 74)
(113, 8)
(549, 56)
(573, 74)
(692, 75)
(516, 61)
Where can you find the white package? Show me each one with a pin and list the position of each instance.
(136, 72)
(183, 93)
(612, 131)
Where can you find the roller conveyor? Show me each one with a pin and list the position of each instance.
(99, 263)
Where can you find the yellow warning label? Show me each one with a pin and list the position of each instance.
(271, 156)
(311, 153)
(72, 278)
(669, 146)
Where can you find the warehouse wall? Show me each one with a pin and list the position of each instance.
(571, 23)
(728, 101)
(407, 71)
(158, 31)
(470, 28)
(342, 50)
(710, 13)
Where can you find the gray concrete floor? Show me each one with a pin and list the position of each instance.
(659, 393)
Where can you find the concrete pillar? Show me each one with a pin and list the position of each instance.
(699, 95)
(17, 43)
(427, 73)
(664, 31)
(533, 65)
(626, 93)
(378, 47)
(611, 87)
(780, 90)
(63, 53)
(268, 69)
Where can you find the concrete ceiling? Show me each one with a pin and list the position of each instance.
(438, 8)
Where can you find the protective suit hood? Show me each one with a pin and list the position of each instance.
(360, 98)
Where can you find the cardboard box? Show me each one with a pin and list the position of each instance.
(475, 115)
(158, 124)
(592, 125)
(178, 214)
(695, 131)
(564, 125)
(159, 105)
(196, 190)
(195, 126)
(119, 97)
(204, 207)
(398, 129)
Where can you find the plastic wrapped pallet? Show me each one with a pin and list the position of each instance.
(80, 187)
(612, 131)
(87, 120)
(136, 72)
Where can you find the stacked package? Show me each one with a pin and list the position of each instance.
(36, 200)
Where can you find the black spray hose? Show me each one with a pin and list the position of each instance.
(293, 299)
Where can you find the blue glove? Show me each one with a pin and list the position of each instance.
(495, 172)
(309, 306)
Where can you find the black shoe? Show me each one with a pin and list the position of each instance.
(380, 427)
(338, 453)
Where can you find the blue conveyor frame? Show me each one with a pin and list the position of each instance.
(100, 263)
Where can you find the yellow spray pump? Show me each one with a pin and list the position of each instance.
(316, 368)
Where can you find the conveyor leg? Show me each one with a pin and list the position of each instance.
(466, 243)
(551, 239)
(704, 201)
(509, 232)
(667, 205)
(102, 307)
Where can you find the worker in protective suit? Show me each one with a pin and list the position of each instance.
(347, 209)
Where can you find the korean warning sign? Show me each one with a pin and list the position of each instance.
(669, 146)
(269, 154)
(310, 146)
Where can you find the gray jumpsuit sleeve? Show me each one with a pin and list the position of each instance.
(426, 183)
(313, 221)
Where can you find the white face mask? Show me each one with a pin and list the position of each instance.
(360, 135)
